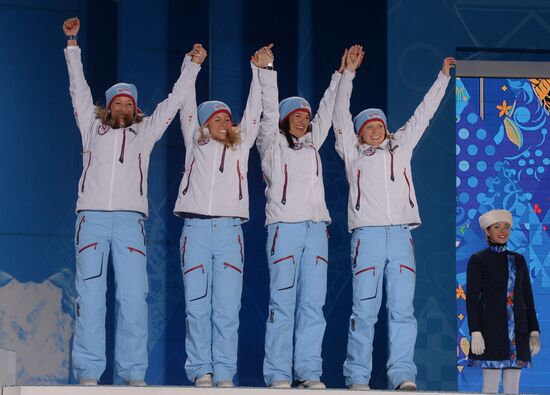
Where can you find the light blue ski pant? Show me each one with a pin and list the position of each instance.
(297, 255)
(212, 258)
(381, 253)
(122, 234)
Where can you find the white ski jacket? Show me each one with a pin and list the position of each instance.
(115, 161)
(214, 181)
(294, 176)
(381, 191)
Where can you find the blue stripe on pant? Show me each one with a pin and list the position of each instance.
(212, 266)
(378, 252)
(121, 234)
(297, 257)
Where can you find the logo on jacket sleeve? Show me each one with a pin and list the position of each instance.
(203, 140)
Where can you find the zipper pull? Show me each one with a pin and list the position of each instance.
(121, 158)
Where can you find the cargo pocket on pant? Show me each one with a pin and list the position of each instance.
(89, 263)
(234, 268)
(365, 283)
(195, 281)
(284, 273)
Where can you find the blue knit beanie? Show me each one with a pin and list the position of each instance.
(290, 105)
(121, 89)
(210, 108)
(369, 115)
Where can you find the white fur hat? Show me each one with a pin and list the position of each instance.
(494, 216)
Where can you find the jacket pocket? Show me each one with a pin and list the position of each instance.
(240, 177)
(195, 282)
(408, 186)
(365, 283)
(140, 175)
(283, 198)
(358, 199)
(184, 192)
(283, 272)
(86, 170)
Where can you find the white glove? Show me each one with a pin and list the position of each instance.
(534, 343)
(477, 344)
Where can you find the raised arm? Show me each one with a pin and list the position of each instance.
(346, 139)
(250, 121)
(269, 124)
(410, 133)
(81, 96)
(182, 92)
(188, 113)
(323, 118)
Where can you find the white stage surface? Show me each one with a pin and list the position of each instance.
(153, 390)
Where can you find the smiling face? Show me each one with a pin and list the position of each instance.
(299, 123)
(220, 126)
(498, 233)
(122, 110)
(373, 133)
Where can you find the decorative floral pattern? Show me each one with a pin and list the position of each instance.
(503, 161)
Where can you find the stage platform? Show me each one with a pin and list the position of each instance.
(158, 390)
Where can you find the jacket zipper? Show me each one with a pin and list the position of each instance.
(123, 145)
(140, 176)
(222, 161)
(86, 171)
(189, 177)
(274, 240)
(409, 186)
(240, 179)
(80, 227)
(316, 161)
(283, 200)
(391, 166)
(358, 201)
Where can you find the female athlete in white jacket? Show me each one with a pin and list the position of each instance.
(213, 200)
(297, 242)
(382, 208)
(112, 206)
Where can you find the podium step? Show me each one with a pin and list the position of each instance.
(158, 390)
